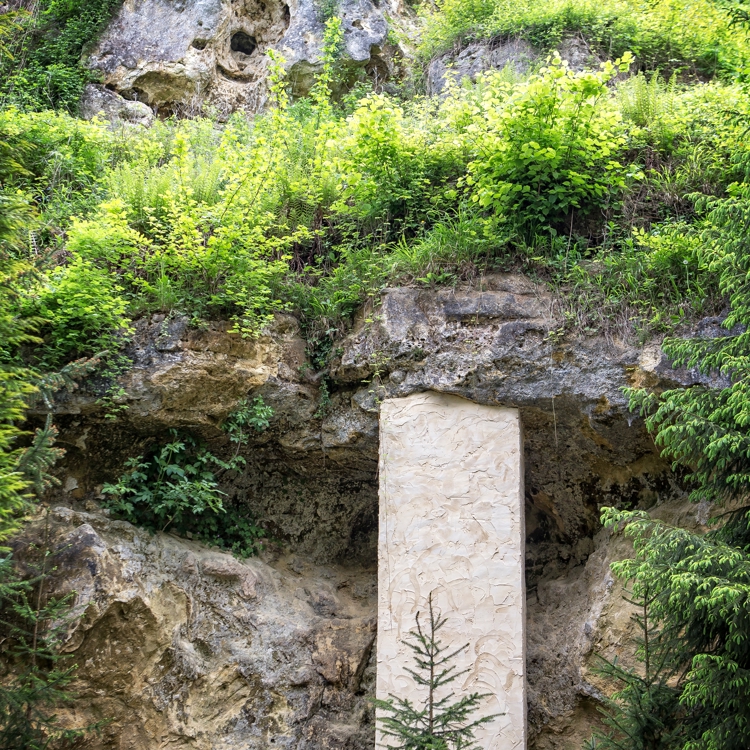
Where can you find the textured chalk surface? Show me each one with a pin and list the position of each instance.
(451, 523)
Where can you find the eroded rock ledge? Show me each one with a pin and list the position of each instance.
(222, 648)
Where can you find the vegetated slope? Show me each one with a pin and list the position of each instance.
(691, 36)
(590, 180)
(584, 178)
(42, 64)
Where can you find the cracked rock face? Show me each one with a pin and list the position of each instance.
(288, 636)
(172, 54)
(182, 645)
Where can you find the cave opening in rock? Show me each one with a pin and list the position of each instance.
(242, 42)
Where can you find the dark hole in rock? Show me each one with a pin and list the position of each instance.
(199, 43)
(242, 42)
(357, 24)
(287, 15)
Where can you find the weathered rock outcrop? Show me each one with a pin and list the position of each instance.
(180, 645)
(311, 480)
(499, 53)
(178, 54)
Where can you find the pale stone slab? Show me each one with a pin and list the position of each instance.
(451, 523)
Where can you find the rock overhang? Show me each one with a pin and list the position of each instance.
(312, 480)
(499, 345)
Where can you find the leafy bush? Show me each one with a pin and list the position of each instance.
(549, 148)
(84, 310)
(60, 168)
(171, 487)
(175, 487)
(392, 164)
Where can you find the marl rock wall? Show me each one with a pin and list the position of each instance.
(173, 644)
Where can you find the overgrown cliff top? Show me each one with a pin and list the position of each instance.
(594, 174)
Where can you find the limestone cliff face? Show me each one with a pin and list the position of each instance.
(183, 646)
(178, 54)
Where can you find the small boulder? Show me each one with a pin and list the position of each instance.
(97, 100)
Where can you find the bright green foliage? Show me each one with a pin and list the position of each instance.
(333, 39)
(441, 723)
(651, 104)
(15, 211)
(50, 45)
(193, 234)
(696, 35)
(549, 147)
(84, 312)
(391, 163)
(9, 27)
(307, 209)
(15, 387)
(175, 487)
(59, 166)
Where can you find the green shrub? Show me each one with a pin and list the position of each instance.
(393, 164)
(548, 148)
(63, 165)
(84, 310)
(175, 487)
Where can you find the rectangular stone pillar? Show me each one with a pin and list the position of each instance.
(451, 523)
